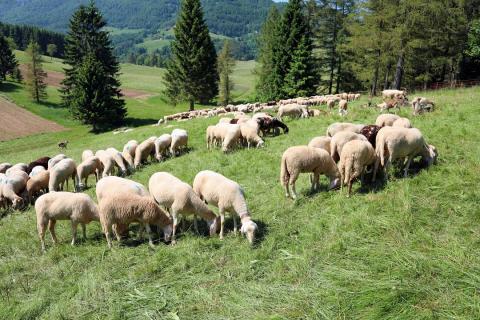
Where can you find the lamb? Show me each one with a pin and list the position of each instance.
(107, 163)
(179, 198)
(143, 151)
(36, 170)
(37, 183)
(13, 187)
(343, 126)
(321, 142)
(60, 173)
(129, 152)
(162, 144)
(87, 154)
(342, 107)
(79, 208)
(386, 119)
(4, 167)
(53, 161)
(39, 162)
(292, 110)
(298, 159)
(179, 141)
(118, 159)
(355, 157)
(339, 140)
(400, 143)
(92, 165)
(402, 122)
(249, 131)
(228, 196)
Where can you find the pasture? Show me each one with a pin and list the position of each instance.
(404, 250)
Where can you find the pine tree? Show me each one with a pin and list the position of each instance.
(8, 62)
(301, 79)
(192, 72)
(35, 76)
(86, 38)
(226, 63)
(51, 50)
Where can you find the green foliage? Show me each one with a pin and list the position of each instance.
(192, 71)
(226, 63)
(88, 50)
(301, 79)
(474, 39)
(35, 76)
(8, 62)
(52, 49)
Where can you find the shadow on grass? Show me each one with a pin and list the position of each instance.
(137, 122)
(9, 87)
(51, 105)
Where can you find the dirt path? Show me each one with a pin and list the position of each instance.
(16, 122)
(54, 78)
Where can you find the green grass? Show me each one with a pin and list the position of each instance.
(49, 64)
(405, 251)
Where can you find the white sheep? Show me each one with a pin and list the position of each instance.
(118, 159)
(79, 208)
(249, 131)
(210, 137)
(53, 161)
(5, 166)
(401, 143)
(91, 165)
(299, 159)
(179, 141)
(230, 135)
(402, 122)
(37, 183)
(386, 120)
(108, 164)
(179, 198)
(36, 170)
(343, 126)
(342, 107)
(17, 167)
(143, 151)
(129, 152)
(13, 188)
(87, 154)
(60, 173)
(292, 110)
(355, 157)
(224, 120)
(322, 142)
(228, 196)
(162, 145)
(394, 94)
(339, 140)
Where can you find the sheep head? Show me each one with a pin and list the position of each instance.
(167, 232)
(334, 183)
(249, 229)
(213, 225)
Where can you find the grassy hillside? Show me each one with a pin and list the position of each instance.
(405, 250)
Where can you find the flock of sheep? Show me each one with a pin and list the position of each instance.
(343, 155)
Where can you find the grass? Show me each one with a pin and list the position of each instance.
(407, 250)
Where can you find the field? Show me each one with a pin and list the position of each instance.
(404, 250)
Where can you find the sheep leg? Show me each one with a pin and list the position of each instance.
(41, 233)
(149, 235)
(222, 222)
(409, 161)
(108, 235)
(51, 228)
(375, 169)
(235, 228)
(293, 178)
(350, 183)
(74, 232)
(287, 190)
(195, 223)
(175, 224)
(84, 231)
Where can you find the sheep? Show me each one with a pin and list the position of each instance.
(342, 107)
(129, 152)
(292, 110)
(17, 167)
(107, 163)
(36, 170)
(37, 183)
(179, 141)
(13, 187)
(143, 151)
(60, 173)
(331, 103)
(224, 120)
(392, 94)
(177, 196)
(370, 132)
(39, 162)
(249, 131)
(231, 134)
(298, 159)
(386, 119)
(5, 166)
(87, 154)
(400, 143)
(228, 196)
(421, 104)
(355, 157)
(118, 159)
(92, 165)
(210, 137)
(343, 126)
(53, 161)
(3, 180)
(162, 145)
(79, 208)
(321, 142)
(402, 122)
(339, 140)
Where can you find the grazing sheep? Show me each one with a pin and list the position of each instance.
(293, 111)
(129, 152)
(224, 120)
(13, 188)
(36, 170)
(298, 159)
(331, 103)
(60, 173)
(179, 198)
(339, 140)
(229, 134)
(17, 167)
(179, 141)
(3, 180)
(5, 166)
(271, 125)
(386, 119)
(392, 94)
(249, 131)
(87, 154)
(143, 151)
(402, 122)
(401, 143)
(421, 104)
(118, 159)
(79, 208)
(321, 142)
(162, 145)
(355, 157)
(210, 136)
(370, 132)
(92, 165)
(342, 107)
(53, 161)
(39, 162)
(228, 196)
(37, 184)
(108, 164)
(343, 126)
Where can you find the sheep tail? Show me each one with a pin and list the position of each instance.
(380, 150)
(349, 167)
(284, 174)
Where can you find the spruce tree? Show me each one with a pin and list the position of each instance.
(87, 38)
(225, 69)
(301, 79)
(192, 72)
(35, 76)
(8, 62)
